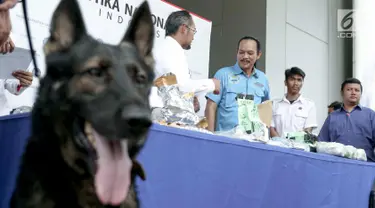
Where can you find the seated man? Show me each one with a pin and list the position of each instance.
(353, 124)
(293, 113)
(334, 106)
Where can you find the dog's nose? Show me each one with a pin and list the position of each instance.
(138, 120)
(139, 123)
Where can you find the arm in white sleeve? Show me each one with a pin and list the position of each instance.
(311, 121)
(190, 85)
(179, 66)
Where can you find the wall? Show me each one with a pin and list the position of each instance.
(303, 33)
(292, 33)
(231, 20)
(365, 49)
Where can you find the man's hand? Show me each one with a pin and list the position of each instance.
(273, 132)
(7, 47)
(217, 86)
(5, 25)
(8, 4)
(196, 104)
(26, 78)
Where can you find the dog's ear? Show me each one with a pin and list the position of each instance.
(137, 169)
(67, 27)
(141, 31)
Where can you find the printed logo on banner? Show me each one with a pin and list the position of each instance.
(111, 10)
(346, 23)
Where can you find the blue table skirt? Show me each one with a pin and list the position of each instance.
(188, 169)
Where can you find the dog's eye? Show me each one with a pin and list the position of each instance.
(97, 72)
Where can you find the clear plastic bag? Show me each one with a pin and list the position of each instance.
(341, 150)
(288, 143)
(239, 133)
(22, 109)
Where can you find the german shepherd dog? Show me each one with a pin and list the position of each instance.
(91, 117)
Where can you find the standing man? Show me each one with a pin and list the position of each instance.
(353, 124)
(293, 113)
(170, 57)
(243, 77)
(334, 106)
(6, 43)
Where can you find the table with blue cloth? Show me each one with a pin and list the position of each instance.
(187, 169)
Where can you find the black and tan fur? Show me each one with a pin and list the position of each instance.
(86, 80)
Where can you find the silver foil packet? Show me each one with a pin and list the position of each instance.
(178, 106)
(177, 115)
(173, 98)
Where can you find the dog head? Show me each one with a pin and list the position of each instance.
(98, 94)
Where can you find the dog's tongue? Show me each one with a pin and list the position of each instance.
(112, 179)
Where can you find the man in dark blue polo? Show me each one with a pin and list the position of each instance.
(353, 124)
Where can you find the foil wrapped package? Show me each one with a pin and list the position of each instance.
(198, 127)
(173, 98)
(178, 106)
(177, 115)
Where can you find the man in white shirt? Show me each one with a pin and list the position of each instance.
(170, 57)
(293, 113)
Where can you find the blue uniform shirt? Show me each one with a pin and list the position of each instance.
(356, 128)
(233, 81)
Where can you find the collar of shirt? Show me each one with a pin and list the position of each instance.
(238, 70)
(360, 107)
(173, 42)
(299, 99)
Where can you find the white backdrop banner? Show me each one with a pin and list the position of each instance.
(364, 48)
(105, 20)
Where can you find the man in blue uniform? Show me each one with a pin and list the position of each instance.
(244, 78)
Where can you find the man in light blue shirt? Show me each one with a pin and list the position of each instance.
(243, 77)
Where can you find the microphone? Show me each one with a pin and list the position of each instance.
(36, 69)
(37, 72)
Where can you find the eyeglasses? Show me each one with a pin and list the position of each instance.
(192, 29)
